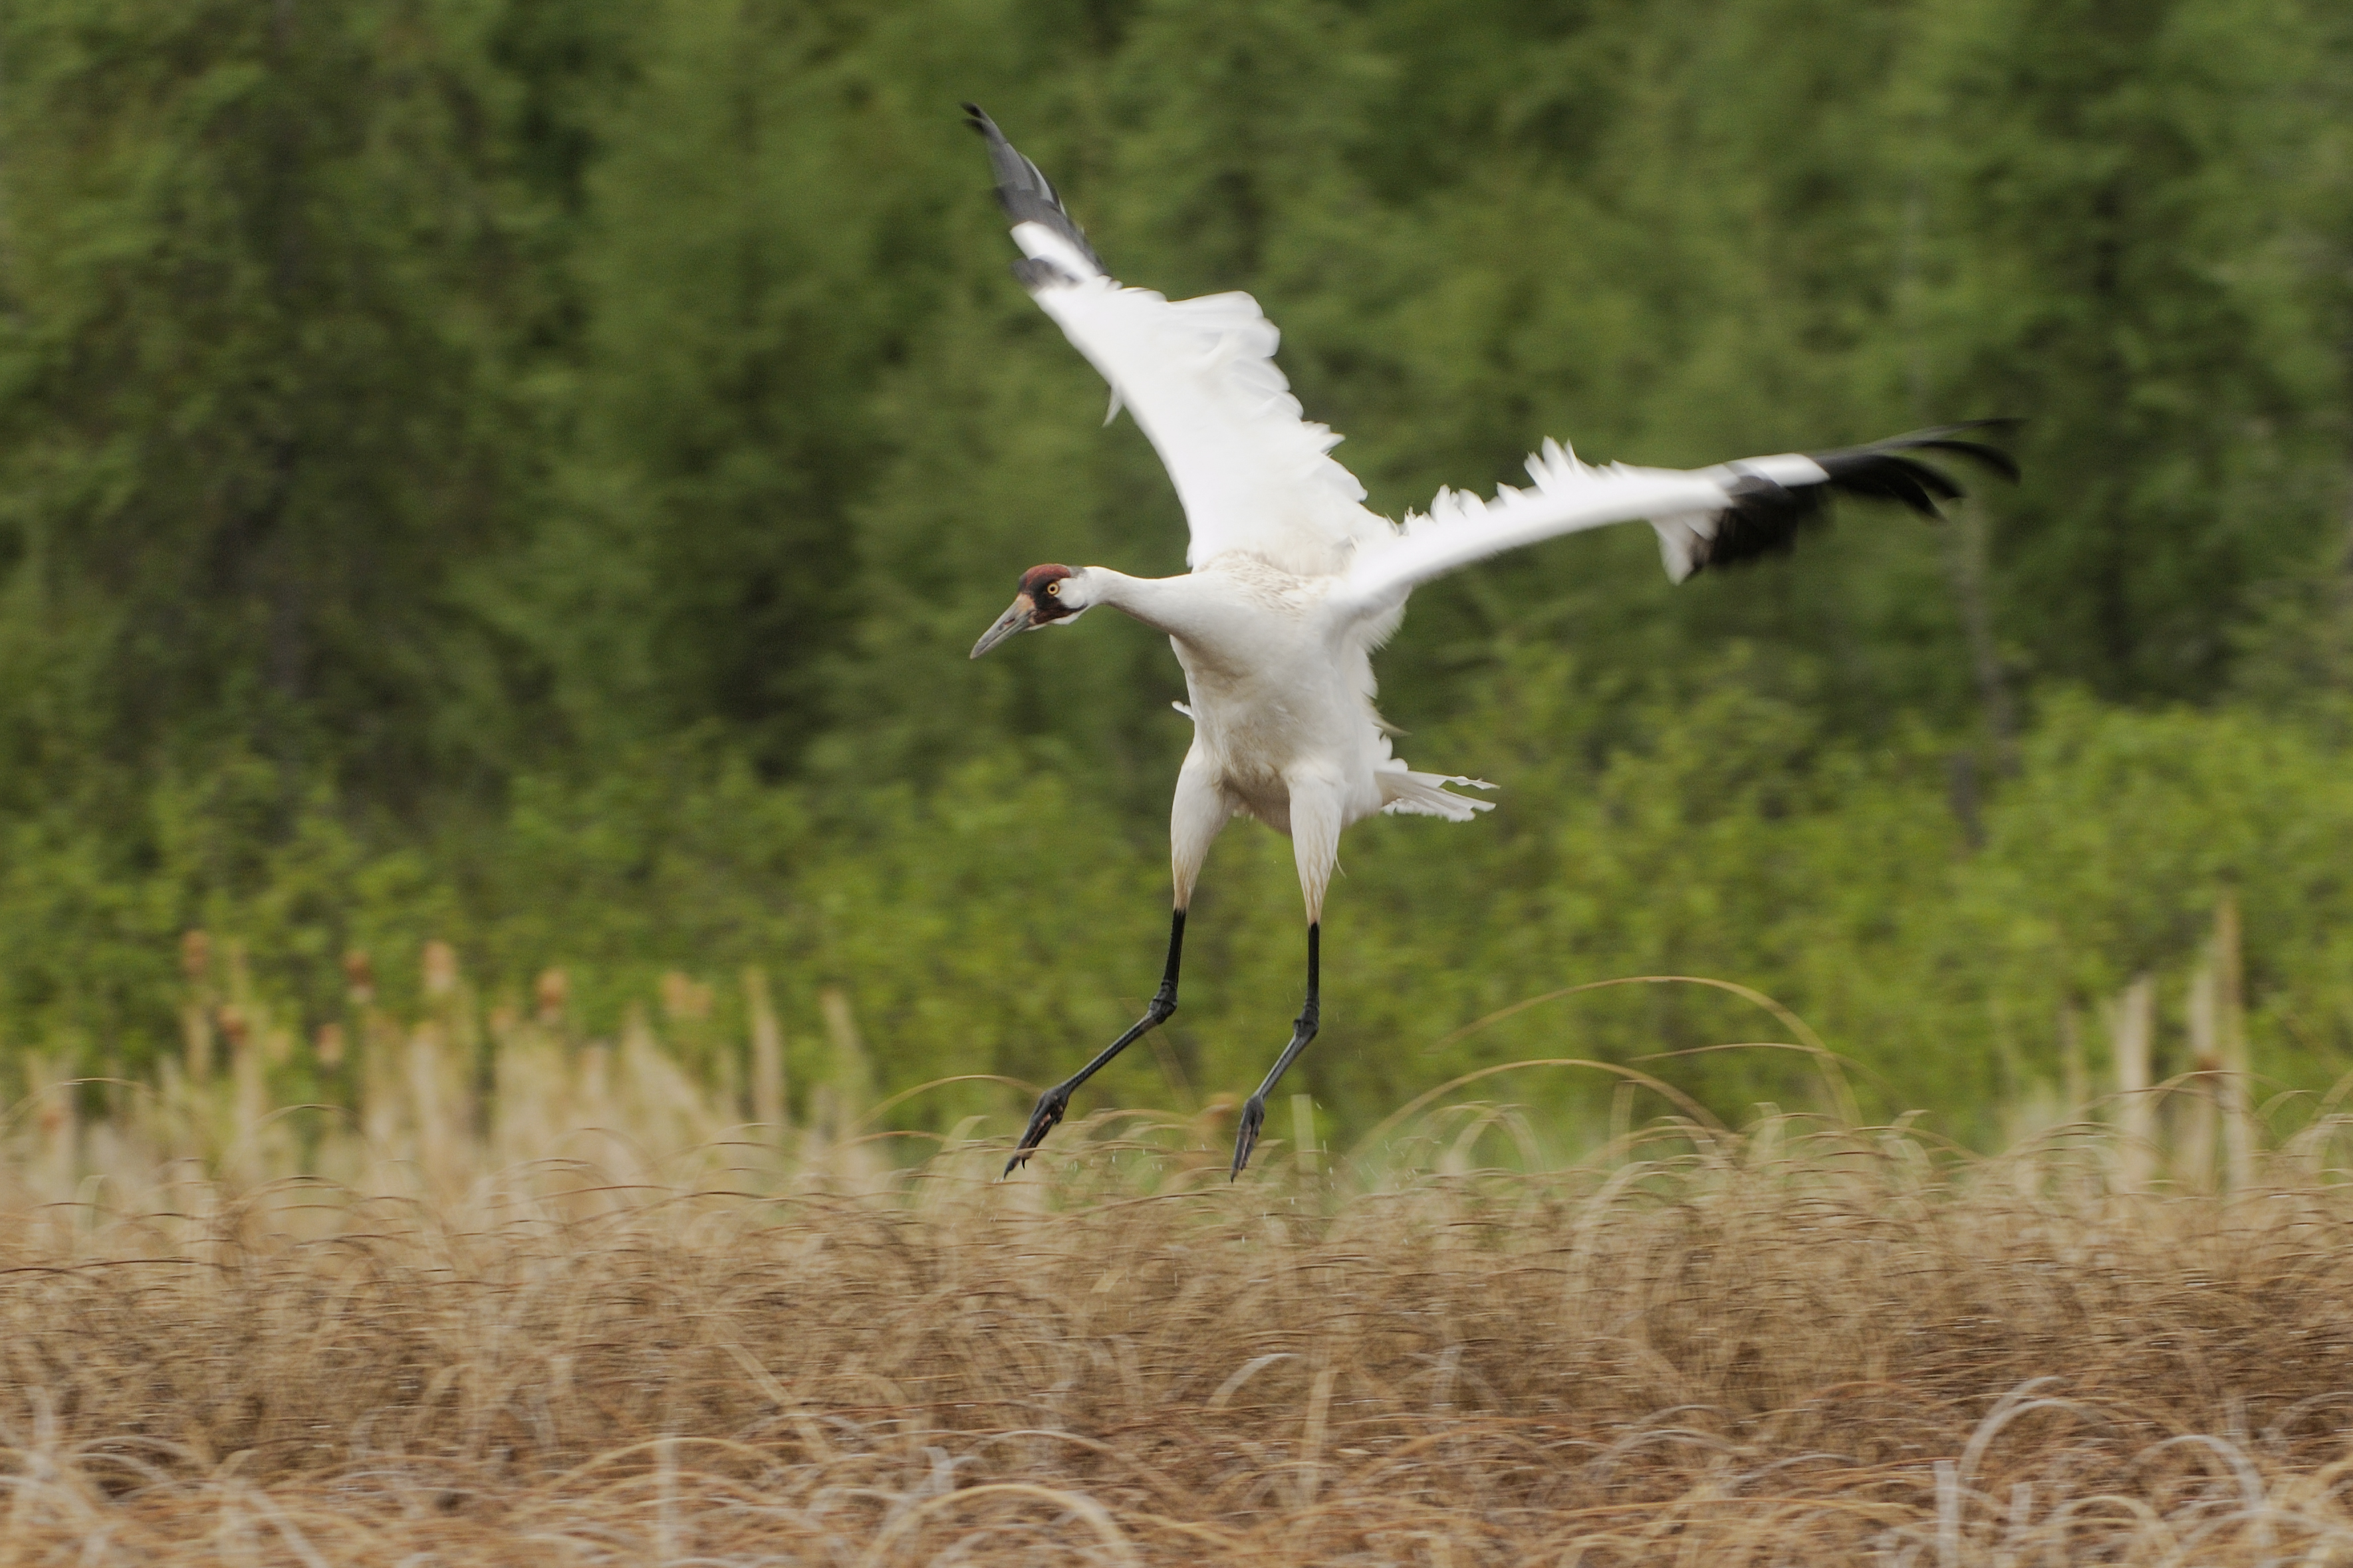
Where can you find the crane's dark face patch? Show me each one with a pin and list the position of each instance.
(1045, 597)
(1043, 585)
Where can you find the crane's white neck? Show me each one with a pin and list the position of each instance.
(1157, 602)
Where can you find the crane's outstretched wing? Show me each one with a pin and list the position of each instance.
(1704, 517)
(1200, 378)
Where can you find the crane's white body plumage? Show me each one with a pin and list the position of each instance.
(1279, 674)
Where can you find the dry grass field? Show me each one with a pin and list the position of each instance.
(1799, 1345)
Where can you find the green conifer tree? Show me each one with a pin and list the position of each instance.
(259, 287)
(2118, 198)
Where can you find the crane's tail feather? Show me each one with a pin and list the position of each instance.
(1405, 793)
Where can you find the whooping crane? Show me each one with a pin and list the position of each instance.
(1295, 584)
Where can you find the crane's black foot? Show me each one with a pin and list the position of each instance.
(1246, 1135)
(1050, 1107)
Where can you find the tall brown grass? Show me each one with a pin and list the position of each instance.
(1802, 1345)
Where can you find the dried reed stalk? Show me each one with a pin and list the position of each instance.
(1793, 1347)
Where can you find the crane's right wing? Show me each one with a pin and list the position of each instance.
(1704, 517)
(1200, 378)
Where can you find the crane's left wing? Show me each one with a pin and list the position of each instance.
(1200, 377)
(1704, 517)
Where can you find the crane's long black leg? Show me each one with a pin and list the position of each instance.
(1057, 1100)
(1254, 1108)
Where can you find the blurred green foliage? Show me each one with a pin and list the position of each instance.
(527, 475)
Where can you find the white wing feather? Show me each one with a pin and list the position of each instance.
(1254, 474)
(1682, 504)
(1200, 377)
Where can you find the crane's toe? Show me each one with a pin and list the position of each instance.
(1050, 1107)
(1246, 1135)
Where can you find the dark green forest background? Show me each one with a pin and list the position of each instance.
(526, 474)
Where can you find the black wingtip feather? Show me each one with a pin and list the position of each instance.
(1035, 273)
(1766, 518)
(1022, 190)
(1763, 520)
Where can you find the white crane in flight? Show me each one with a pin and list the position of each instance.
(1295, 584)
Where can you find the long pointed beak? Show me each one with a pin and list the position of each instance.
(1016, 620)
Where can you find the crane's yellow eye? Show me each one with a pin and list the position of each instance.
(1054, 588)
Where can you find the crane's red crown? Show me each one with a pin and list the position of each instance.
(1039, 582)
